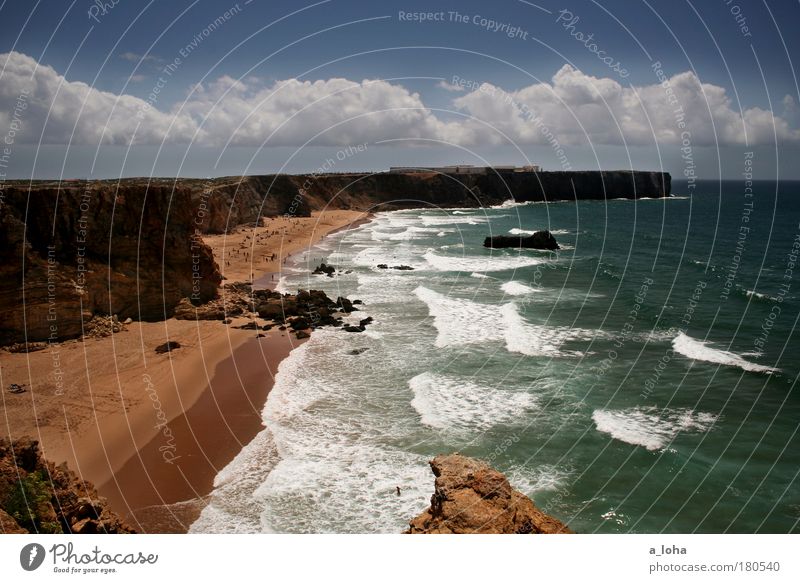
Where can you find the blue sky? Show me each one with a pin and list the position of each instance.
(735, 92)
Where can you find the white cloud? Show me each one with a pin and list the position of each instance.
(135, 57)
(447, 86)
(574, 107)
(579, 109)
(63, 112)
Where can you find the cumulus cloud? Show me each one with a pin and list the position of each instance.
(574, 108)
(579, 109)
(447, 86)
(70, 112)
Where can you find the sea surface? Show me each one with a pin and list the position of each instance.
(641, 379)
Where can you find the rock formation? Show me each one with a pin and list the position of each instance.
(471, 498)
(539, 240)
(38, 497)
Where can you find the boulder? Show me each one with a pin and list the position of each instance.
(167, 347)
(324, 269)
(539, 240)
(472, 498)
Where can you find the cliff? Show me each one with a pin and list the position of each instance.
(72, 250)
(471, 498)
(38, 497)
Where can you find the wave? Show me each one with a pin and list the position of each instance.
(698, 350)
(516, 231)
(515, 288)
(477, 275)
(758, 296)
(460, 322)
(453, 220)
(479, 264)
(535, 340)
(650, 427)
(282, 285)
(449, 403)
(324, 455)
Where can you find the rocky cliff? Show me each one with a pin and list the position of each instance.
(75, 249)
(38, 497)
(72, 250)
(471, 498)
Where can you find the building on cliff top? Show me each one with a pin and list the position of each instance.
(462, 169)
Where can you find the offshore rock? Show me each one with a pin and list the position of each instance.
(472, 498)
(539, 240)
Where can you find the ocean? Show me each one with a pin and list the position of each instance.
(641, 379)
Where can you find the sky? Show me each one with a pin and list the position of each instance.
(93, 89)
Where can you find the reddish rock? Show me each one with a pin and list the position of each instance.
(472, 498)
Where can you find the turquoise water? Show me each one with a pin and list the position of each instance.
(639, 380)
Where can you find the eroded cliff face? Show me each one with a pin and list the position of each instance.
(72, 250)
(75, 249)
(471, 498)
(39, 497)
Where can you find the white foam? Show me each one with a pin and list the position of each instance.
(650, 427)
(516, 231)
(476, 263)
(460, 322)
(698, 350)
(323, 462)
(535, 340)
(450, 403)
(515, 288)
(760, 296)
(433, 220)
(282, 285)
(408, 234)
(479, 275)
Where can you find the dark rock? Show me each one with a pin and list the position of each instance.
(167, 347)
(403, 267)
(345, 305)
(299, 323)
(324, 269)
(300, 334)
(357, 302)
(354, 328)
(383, 266)
(357, 351)
(539, 240)
(363, 323)
(271, 311)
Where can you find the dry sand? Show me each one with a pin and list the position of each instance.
(154, 429)
(249, 252)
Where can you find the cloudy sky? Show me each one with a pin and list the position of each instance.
(202, 88)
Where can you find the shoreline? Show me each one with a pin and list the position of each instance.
(155, 495)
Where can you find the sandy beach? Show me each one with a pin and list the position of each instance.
(149, 429)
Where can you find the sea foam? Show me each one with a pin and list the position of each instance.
(515, 288)
(698, 350)
(480, 264)
(449, 403)
(650, 427)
